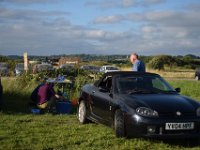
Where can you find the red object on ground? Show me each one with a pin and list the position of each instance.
(74, 102)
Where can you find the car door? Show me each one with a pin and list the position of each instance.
(101, 99)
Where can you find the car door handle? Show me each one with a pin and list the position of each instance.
(93, 92)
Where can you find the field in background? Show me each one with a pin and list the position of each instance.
(170, 73)
(21, 130)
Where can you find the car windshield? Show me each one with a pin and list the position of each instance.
(20, 66)
(3, 65)
(142, 84)
(112, 68)
(66, 66)
(45, 67)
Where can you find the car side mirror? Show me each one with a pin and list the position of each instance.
(104, 90)
(178, 90)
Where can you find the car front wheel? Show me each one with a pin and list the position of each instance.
(197, 78)
(119, 125)
(82, 112)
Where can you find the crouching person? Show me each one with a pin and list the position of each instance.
(47, 97)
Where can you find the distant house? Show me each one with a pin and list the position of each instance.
(69, 60)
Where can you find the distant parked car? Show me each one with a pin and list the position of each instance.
(66, 66)
(105, 69)
(197, 74)
(66, 69)
(42, 67)
(91, 68)
(19, 69)
(4, 69)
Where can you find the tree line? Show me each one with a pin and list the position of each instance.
(159, 62)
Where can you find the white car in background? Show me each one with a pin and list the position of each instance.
(19, 69)
(105, 69)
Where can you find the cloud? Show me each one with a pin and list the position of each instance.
(157, 32)
(107, 4)
(28, 2)
(51, 32)
(23, 14)
(41, 32)
(164, 18)
(127, 3)
(192, 6)
(152, 2)
(108, 19)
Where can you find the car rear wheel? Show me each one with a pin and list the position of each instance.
(119, 125)
(197, 78)
(82, 111)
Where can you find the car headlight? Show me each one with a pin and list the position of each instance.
(147, 112)
(198, 112)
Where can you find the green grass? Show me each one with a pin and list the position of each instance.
(21, 130)
(189, 88)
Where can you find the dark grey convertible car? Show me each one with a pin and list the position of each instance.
(139, 104)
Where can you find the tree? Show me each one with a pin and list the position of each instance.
(3, 59)
(156, 63)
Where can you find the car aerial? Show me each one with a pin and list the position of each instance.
(4, 69)
(105, 69)
(139, 105)
(197, 74)
(19, 69)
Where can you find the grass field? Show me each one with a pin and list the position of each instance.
(21, 130)
(175, 73)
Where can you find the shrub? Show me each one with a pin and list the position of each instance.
(156, 63)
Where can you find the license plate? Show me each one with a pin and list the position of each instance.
(179, 126)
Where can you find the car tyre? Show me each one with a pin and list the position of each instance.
(197, 78)
(119, 124)
(82, 112)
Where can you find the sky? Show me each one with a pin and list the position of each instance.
(52, 27)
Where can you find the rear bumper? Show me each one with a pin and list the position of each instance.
(137, 126)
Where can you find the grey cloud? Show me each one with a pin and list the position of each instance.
(27, 2)
(106, 4)
(193, 7)
(159, 32)
(171, 18)
(165, 18)
(108, 19)
(42, 39)
(40, 32)
(46, 33)
(8, 14)
(151, 2)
